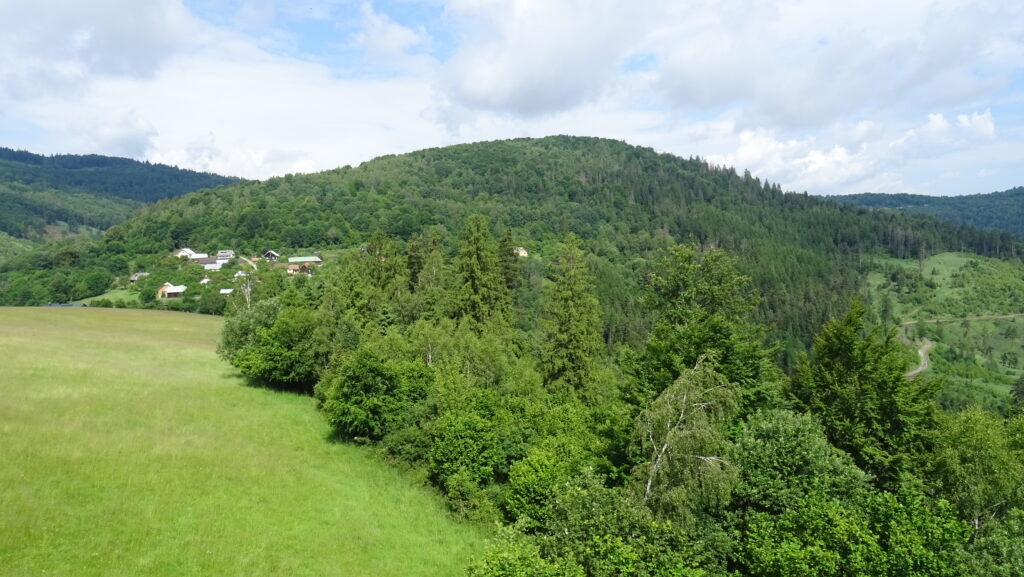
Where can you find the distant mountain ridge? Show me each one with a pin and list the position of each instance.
(45, 197)
(995, 210)
(104, 175)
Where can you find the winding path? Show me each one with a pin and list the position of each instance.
(922, 353)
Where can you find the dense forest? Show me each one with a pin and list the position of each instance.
(997, 210)
(624, 203)
(103, 175)
(687, 453)
(49, 197)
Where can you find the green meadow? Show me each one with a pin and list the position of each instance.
(130, 448)
(971, 307)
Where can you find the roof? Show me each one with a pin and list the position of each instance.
(304, 259)
(170, 288)
(226, 291)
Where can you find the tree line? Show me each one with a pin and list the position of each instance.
(686, 452)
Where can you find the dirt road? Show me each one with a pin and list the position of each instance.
(922, 354)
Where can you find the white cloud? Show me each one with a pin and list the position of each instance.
(977, 124)
(530, 57)
(54, 46)
(392, 45)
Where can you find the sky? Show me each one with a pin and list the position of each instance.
(915, 96)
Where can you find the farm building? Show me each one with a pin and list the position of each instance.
(170, 291)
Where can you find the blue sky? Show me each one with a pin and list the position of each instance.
(914, 96)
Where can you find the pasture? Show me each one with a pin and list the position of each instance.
(130, 448)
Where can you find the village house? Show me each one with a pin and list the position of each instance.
(225, 254)
(226, 291)
(270, 256)
(136, 276)
(170, 291)
(205, 280)
(190, 254)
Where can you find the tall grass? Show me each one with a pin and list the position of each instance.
(129, 448)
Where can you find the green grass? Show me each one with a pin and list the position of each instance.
(113, 295)
(977, 358)
(129, 448)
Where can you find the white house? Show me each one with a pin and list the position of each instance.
(186, 252)
(170, 291)
(226, 291)
(225, 254)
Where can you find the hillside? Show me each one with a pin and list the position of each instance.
(996, 210)
(103, 175)
(50, 197)
(129, 448)
(971, 307)
(624, 202)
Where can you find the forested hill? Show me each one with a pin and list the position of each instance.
(624, 202)
(996, 210)
(103, 175)
(46, 197)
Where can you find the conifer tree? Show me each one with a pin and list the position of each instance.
(854, 384)
(511, 268)
(570, 321)
(483, 295)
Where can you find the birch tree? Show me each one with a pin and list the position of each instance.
(681, 442)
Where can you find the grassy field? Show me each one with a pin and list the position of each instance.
(129, 448)
(113, 295)
(946, 298)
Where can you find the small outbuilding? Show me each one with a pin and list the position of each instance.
(170, 291)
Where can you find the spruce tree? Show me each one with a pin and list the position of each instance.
(854, 384)
(511, 268)
(570, 321)
(482, 296)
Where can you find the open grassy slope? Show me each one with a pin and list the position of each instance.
(129, 448)
(971, 307)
